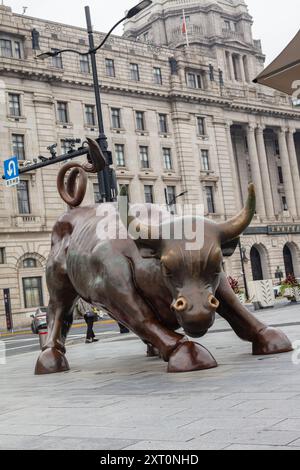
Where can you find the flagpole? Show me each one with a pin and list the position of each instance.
(185, 29)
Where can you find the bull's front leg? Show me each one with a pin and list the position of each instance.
(265, 340)
(60, 317)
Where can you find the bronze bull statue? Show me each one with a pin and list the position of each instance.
(152, 286)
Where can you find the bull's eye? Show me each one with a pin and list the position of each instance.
(166, 271)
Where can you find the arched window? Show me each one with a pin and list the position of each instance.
(257, 271)
(29, 263)
(288, 261)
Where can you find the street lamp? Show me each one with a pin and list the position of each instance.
(106, 178)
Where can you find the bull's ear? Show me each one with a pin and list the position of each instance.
(229, 248)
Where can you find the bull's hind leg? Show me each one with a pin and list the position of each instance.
(60, 317)
(265, 340)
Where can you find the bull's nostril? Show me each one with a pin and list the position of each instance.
(213, 302)
(181, 305)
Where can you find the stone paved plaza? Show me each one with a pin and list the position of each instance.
(116, 398)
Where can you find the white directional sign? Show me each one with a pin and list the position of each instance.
(11, 172)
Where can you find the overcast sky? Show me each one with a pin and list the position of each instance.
(273, 24)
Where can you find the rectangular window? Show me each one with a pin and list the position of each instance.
(2, 256)
(285, 206)
(14, 105)
(18, 146)
(6, 48)
(57, 60)
(97, 194)
(23, 197)
(110, 68)
(210, 200)
(227, 25)
(163, 123)
(148, 190)
(85, 64)
(280, 175)
(171, 198)
(157, 75)
(120, 155)
(116, 118)
(194, 80)
(90, 115)
(276, 147)
(65, 146)
(33, 292)
(168, 164)
(62, 112)
(18, 52)
(144, 157)
(134, 72)
(140, 120)
(205, 166)
(201, 125)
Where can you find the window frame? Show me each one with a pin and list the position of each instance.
(16, 145)
(88, 114)
(145, 163)
(211, 204)
(66, 111)
(140, 121)
(12, 103)
(110, 67)
(84, 64)
(117, 116)
(151, 193)
(39, 288)
(205, 160)
(21, 211)
(134, 72)
(169, 166)
(165, 129)
(120, 163)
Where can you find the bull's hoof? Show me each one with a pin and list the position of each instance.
(271, 341)
(190, 357)
(152, 351)
(51, 361)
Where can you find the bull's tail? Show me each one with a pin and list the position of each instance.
(74, 190)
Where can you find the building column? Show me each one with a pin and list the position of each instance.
(287, 173)
(234, 166)
(242, 70)
(294, 167)
(267, 189)
(231, 67)
(255, 171)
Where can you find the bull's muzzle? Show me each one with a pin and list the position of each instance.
(181, 305)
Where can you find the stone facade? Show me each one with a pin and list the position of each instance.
(176, 117)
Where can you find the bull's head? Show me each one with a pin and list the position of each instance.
(193, 277)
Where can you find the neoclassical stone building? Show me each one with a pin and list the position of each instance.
(178, 118)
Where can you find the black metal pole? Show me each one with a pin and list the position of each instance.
(243, 270)
(104, 176)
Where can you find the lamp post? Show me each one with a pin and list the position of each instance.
(106, 178)
(244, 259)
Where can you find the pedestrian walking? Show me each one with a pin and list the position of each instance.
(90, 315)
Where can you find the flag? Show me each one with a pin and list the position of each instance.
(184, 28)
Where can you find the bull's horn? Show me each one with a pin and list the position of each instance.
(234, 227)
(132, 225)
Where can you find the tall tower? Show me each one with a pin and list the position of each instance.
(219, 29)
